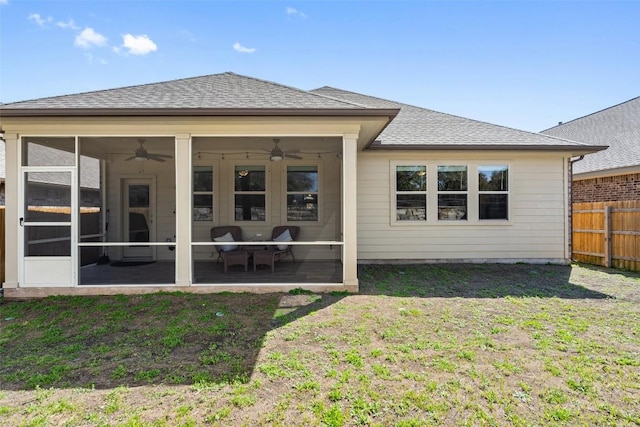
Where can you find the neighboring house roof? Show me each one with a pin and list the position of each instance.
(235, 95)
(419, 127)
(617, 126)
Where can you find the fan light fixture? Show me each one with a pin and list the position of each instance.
(276, 158)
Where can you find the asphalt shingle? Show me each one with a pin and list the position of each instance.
(422, 127)
(217, 91)
(617, 126)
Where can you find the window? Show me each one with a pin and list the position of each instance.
(250, 193)
(493, 187)
(411, 193)
(202, 193)
(302, 193)
(452, 193)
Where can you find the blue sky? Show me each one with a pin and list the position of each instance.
(523, 64)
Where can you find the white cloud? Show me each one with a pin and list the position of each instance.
(89, 38)
(35, 17)
(239, 48)
(138, 45)
(69, 24)
(294, 11)
(3, 2)
(188, 35)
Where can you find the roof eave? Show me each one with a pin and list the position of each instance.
(575, 149)
(183, 112)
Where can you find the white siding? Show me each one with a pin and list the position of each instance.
(536, 230)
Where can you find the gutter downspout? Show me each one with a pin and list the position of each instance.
(571, 162)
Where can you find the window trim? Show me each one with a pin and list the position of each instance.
(394, 193)
(453, 192)
(507, 192)
(232, 191)
(213, 193)
(283, 215)
(473, 193)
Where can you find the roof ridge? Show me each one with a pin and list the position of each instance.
(306, 92)
(459, 117)
(116, 88)
(591, 114)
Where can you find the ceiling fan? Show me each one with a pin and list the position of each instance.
(142, 154)
(276, 153)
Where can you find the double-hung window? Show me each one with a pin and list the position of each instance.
(302, 193)
(250, 193)
(452, 193)
(411, 192)
(202, 193)
(493, 192)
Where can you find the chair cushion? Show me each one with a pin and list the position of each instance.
(226, 238)
(284, 237)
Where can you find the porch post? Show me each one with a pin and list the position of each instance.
(349, 211)
(12, 177)
(183, 209)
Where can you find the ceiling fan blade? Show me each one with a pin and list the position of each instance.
(292, 151)
(164, 156)
(292, 156)
(130, 158)
(156, 158)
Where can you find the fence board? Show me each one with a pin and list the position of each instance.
(591, 234)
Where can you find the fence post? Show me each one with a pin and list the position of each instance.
(607, 236)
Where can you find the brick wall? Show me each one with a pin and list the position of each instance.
(608, 188)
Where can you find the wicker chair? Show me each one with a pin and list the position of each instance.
(237, 256)
(273, 254)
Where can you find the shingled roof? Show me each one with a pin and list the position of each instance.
(420, 127)
(217, 92)
(617, 126)
(236, 95)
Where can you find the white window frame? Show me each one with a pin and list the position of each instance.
(507, 192)
(394, 193)
(472, 193)
(318, 193)
(265, 193)
(453, 192)
(213, 193)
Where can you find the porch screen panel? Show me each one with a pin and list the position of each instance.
(48, 197)
(47, 228)
(48, 151)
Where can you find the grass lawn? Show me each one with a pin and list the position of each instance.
(456, 344)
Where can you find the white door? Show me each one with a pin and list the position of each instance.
(47, 216)
(139, 218)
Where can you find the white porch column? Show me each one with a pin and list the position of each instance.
(349, 210)
(183, 209)
(11, 228)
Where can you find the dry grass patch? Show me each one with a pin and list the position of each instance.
(420, 345)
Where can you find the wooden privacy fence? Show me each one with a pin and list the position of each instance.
(607, 234)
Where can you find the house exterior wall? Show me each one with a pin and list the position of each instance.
(535, 232)
(607, 188)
